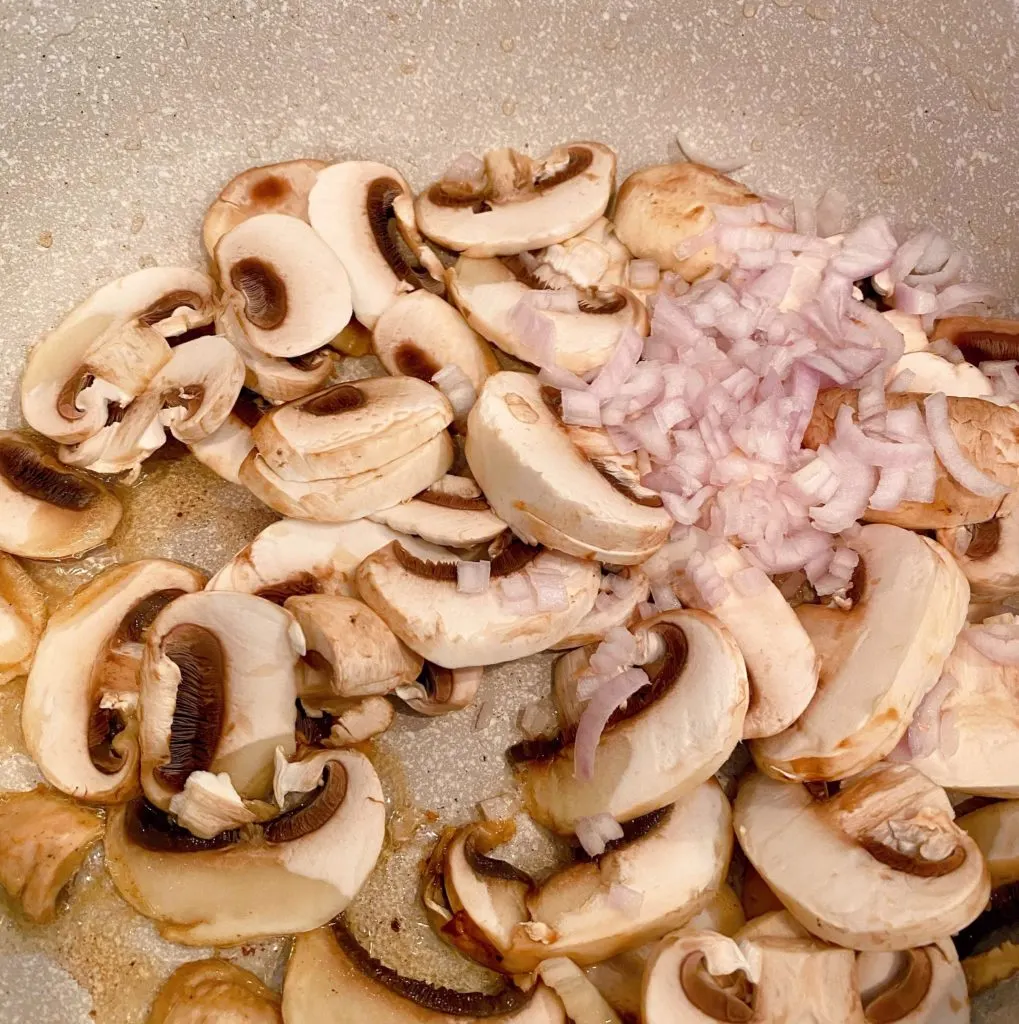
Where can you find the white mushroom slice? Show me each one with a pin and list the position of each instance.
(928, 372)
(22, 617)
(274, 188)
(878, 659)
(723, 913)
(487, 291)
(988, 554)
(78, 716)
(441, 690)
(208, 805)
(287, 287)
(523, 204)
(995, 829)
(672, 735)
(342, 499)
(544, 488)
(916, 986)
(582, 1001)
(299, 870)
(331, 977)
(109, 348)
(225, 449)
(347, 722)
(594, 258)
(420, 333)
(616, 605)
(350, 428)
(351, 652)
(47, 510)
(44, 837)
(888, 833)
(214, 990)
(218, 692)
(980, 338)
(453, 512)
(910, 326)
(422, 603)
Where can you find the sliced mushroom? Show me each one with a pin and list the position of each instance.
(669, 738)
(522, 204)
(441, 690)
(980, 338)
(218, 692)
(22, 617)
(351, 651)
(331, 977)
(346, 723)
(878, 659)
(657, 208)
(889, 834)
(929, 372)
(44, 837)
(987, 433)
(107, 350)
(79, 715)
(616, 605)
(487, 291)
(988, 554)
(917, 986)
(594, 258)
(995, 830)
(420, 334)
(208, 805)
(225, 449)
(297, 872)
(274, 188)
(544, 488)
(47, 510)
(723, 913)
(421, 602)
(287, 287)
(453, 512)
(214, 990)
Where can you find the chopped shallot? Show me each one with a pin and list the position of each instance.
(624, 899)
(472, 577)
(997, 642)
(457, 387)
(596, 832)
(612, 695)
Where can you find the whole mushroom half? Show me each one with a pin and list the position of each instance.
(22, 617)
(291, 874)
(509, 203)
(204, 991)
(878, 659)
(888, 833)
(545, 488)
(988, 554)
(80, 711)
(668, 737)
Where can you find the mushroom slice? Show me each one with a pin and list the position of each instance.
(657, 208)
(594, 258)
(214, 990)
(441, 690)
(351, 428)
(346, 723)
(915, 986)
(44, 837)
(226, 448)
(287, 287)
(295, 873)
(671, 736)
(218, 692)
(79, 712)
(980, 338)
(453, 512)
(365, 212)
(108, 349)
(331, 977)
(351, 651)
(293, 557)
(420, 334)
(987, 433)
(616, 605)
(422, 603)
(995, 830)
(488, 291)
(274, 188)
(341, 499)
(888, 833)
(930, 372)
(878, 659)
(544, 488)
(22, 617)
(209, 805)
(522, 204)
(47, 510)
(988, 554)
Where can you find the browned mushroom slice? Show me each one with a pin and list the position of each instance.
(980, 339)
(207, 990)
(917, 986)
(22, 617)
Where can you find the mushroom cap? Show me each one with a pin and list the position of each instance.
(207, 990)
(341, 499)
(236, 891)
(289, 290)
(91, 648)
(350, 428)
(274, 188)
(879, 866)
(940, 985)
(556, 199)
(987, 433)
(659, 207)
(487, 290)
(988, 554)
(878, 659)
(662, 751)
(615, 610)
(995, 829)
(115, 338)
(46, 509)
(979, 337)
(544, 488)
(420, 333)
(422, 604)
(218, 692)
(225, 448)
(44, 837)
(22, 617)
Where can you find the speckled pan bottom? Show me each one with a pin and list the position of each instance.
(120, 119)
